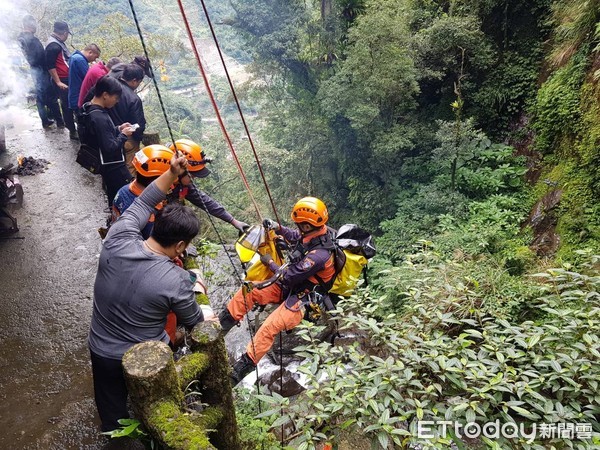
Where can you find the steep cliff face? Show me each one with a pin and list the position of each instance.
(567, 126)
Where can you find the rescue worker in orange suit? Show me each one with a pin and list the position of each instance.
(150, 163)
(185, 189)
(312, 265)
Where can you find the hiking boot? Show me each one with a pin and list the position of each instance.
(73, 135)
(227, 321)
(241, 368)
(48, 125)
(60, 125)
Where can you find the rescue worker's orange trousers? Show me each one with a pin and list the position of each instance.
(281, 319)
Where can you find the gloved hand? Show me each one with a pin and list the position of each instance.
(270, 224)
(266, 259)
(240, 226)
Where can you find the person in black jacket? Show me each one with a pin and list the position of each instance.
(130, 110)
(118, 69)
(98, 131)
(34, 52)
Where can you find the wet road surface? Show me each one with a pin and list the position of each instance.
(46, 287)
(46, 281)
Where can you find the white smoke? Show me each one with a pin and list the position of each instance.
(15, 81)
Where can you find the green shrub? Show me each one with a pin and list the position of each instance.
(556, 109)
(254, 432)
(520, 260)
(444, 358)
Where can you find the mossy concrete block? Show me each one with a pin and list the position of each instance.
(207, 338)
(191, 366)
(205, 335)
(150, 375)
(210, 418)
(177, 430)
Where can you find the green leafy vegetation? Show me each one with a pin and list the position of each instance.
(254, 431)
(438, 125)
(132, 429)
(448, 354)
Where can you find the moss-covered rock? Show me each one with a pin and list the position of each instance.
(209, 418)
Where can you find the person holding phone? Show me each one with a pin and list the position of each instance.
(98, 131)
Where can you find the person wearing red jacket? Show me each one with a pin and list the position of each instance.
(96, 72)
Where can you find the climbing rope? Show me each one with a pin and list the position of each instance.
(221, 240)
(216, 108)
(225, 133)
(234, 154)
(239, 108)
(164, 111)
(281, 380)
(160, 100)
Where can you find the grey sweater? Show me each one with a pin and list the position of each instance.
(136, 288)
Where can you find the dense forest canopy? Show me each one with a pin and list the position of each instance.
(465, 134)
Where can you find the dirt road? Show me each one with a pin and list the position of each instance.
(46, 282)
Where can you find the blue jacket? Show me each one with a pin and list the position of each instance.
(78, 67)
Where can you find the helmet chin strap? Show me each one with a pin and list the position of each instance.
(312, 230)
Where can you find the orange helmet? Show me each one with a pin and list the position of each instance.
(311, 210)
(196, 158)
(153, 160)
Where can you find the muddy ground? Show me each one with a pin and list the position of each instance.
(46, 281)
(46, 286)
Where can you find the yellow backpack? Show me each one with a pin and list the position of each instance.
(346, 280)
(257, 270)
(353, 248)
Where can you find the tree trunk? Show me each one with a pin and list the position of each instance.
(326, 7)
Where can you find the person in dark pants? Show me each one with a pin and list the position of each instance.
(98, 131)
(44, 92)
(136, 286)
(57, 63)
(110, 391)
